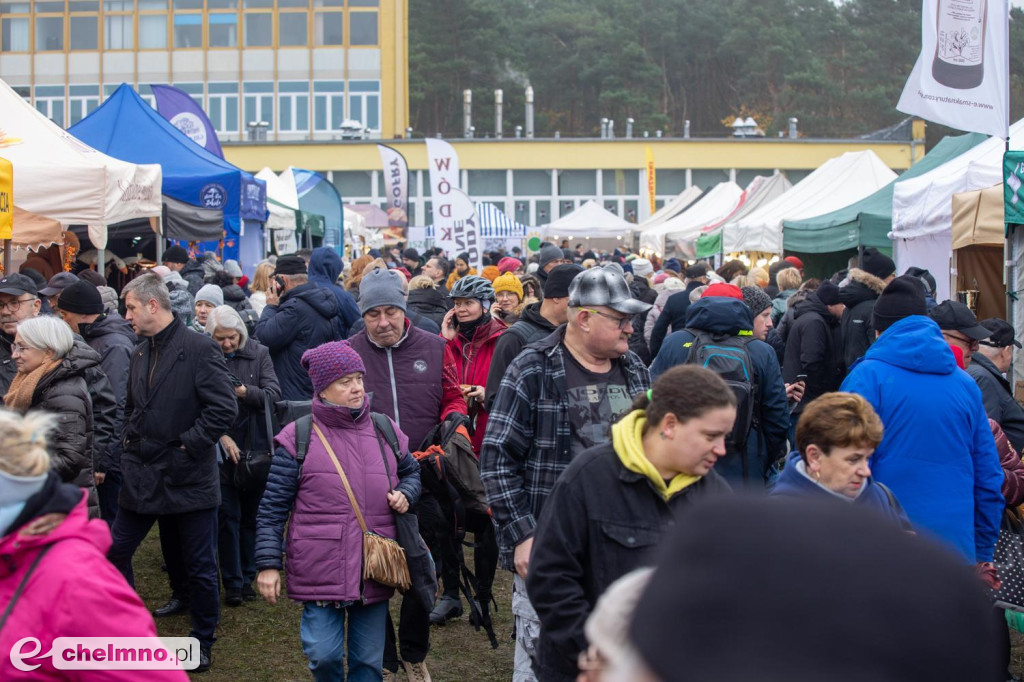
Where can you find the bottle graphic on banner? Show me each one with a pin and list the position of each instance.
(960, 43)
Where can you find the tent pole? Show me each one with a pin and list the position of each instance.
(7, 257)
(160, 240)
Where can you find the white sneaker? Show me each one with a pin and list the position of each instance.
(416, 672)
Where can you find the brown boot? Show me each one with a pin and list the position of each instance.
(416, 672)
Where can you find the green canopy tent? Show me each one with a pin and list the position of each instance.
(868, 221)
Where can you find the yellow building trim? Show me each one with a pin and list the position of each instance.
(392, 22)
(574, 154)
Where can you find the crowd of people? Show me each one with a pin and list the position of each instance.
(653, 449)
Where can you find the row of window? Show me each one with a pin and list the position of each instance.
(291, 28)
(293, 109)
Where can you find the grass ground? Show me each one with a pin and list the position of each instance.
(258, 642)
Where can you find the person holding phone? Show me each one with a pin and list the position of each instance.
(814, 347)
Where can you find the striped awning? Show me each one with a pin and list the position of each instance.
(493, 223)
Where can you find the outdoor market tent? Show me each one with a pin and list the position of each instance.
(589, 220)
(978, 241)
(374, 216)
(678, 235)
(282, 201)
(90, 188)
(671, 209)
(838, 182)
(868, 221)
(762, 190)
(321, 204)
(126, 127)
(922, 207)
(496, 225)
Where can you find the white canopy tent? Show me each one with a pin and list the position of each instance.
(589, 220)
(838, 182)
(679, 234)
(672, 208)
(62, 178)
(285, 201)
(922, 207)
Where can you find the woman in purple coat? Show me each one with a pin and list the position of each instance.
(325, 541)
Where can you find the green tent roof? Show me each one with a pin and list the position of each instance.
(868, 221)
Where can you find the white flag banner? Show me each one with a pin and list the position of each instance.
(960, 78)
(449, 207)
(396, 182)
(466, 230)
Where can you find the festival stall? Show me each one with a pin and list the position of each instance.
(323, 214)
(762, 190)
(126, 127)
(593, 225)
(978, 241)
(677, 236)
(672, 208)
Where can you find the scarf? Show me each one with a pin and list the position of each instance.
(468, 329)
(627, 440)
(23, 388)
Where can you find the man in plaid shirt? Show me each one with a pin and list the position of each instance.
(559, 397)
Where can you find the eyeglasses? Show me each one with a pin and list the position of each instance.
(962, 339)
(14, 305)
(18, 348)
(621, 321)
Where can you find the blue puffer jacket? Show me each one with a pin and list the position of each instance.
(324, 267)
(793, 483)
(730, 316)
(938, 455)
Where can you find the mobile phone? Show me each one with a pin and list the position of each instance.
(234, 380)
(280, 283)
(801, 377)
(453, 322)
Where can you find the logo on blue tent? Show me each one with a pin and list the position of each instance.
(212, 196)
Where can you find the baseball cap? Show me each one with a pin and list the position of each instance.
(604, 287)
(1002, 333)
(18, 284)
(955, 316)
(57, 283)
(697, 270)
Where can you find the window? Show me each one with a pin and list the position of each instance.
(84, 33)
(14, 34)
(117, 25)
(83, 100)
(49, 33)
(536, 183)
(152, 32)
(620, 182)
(293, 107)
(259, 103)
(223, 30)
(328, 106)
(50, 102)
(259, 29)
(364, 103)
(363, 3)
(260, 4)
(292, 29)
(486, 182)
(328, 28)
(223, 106)
(188, 30)
(362, 27)
(577, 182)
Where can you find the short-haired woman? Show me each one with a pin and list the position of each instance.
(613, 505)
(51, 377)
(255, 385)
(835, 437)
(789, 283)
(260, 286)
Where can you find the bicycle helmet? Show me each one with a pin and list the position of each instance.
(473, 286)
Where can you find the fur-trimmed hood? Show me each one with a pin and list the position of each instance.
(867, 279)
(863, 286)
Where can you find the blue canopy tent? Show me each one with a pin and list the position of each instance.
(319, 197)
(127, 128)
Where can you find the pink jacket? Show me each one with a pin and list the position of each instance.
(73, 592)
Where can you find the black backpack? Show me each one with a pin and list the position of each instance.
(728, 357)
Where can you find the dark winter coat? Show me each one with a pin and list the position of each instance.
(771, 414)
(641, 291)
(814, 348)
(112, 337)
(430, 303)
(998, 399)
(673, 316)
(419, 321)
(7, 367)
(195, 274)
(324, 267)
(786, 323)
(600, 522)
(180, 402)
(306, 317)
(531, 327)
(235, 297)
(858, 330)
(65, 393)
(251, 364)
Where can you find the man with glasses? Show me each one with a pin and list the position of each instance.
(557, 398)
(960, 328)
(19, 300)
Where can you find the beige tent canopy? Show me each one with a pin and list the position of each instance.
(978, 217)
(978, 237)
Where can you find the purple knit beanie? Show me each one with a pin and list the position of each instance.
(327, 363)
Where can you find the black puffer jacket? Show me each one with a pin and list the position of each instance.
(429, 303)
(641, 291)
(112, 337)
(252, 365)
(814, 348)
(531, 326)
(7, 367)
(195, 275)
(235, 297)
(858, 331)
(65, 393)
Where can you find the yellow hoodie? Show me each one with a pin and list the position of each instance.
(627, 440)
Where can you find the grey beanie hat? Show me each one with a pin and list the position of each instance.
(756, 300)
(548, 253)
(211, 293)
(182, 304)
(232, 268)
(381, 287)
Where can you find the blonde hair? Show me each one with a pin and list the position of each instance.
(761, 277)
(422, 282)
(261, 280)
(744, 281)
(788, 279)
(23, 441)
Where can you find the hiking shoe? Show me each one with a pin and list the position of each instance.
(416, 672)
(447, 609)
(389, 676)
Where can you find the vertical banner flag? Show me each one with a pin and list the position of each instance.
(466, 229)
(178, 107)
(6, 199)
(449, 207)
(650, 177)
(961, 76)
(396, 182)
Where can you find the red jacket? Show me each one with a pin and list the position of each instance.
(73, 592)
(473, 362)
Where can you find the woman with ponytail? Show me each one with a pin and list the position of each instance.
(613, 505)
